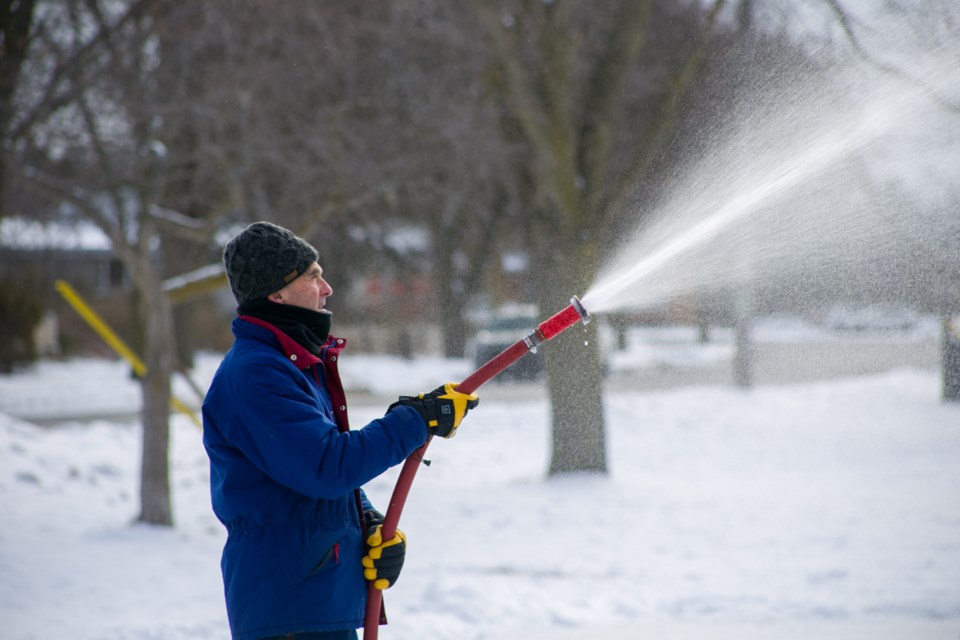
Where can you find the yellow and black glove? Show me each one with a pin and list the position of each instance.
(384, 560)
(442, 409)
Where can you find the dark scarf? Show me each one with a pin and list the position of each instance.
(308, 328)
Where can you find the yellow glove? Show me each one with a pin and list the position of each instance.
(442, 409)
(384, 560)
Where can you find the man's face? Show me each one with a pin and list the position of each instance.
(309, 290)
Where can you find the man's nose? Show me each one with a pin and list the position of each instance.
(325, 287)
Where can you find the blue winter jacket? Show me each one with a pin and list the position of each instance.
(285, 472)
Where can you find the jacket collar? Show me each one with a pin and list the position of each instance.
(297, 354)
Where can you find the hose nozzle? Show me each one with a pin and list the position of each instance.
(546, 330)
(563, 320)
(580, 309)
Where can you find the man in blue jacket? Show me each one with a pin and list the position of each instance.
(285, 468)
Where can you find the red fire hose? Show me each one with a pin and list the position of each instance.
(546, 330)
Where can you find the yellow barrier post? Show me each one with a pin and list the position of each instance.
(113, 340)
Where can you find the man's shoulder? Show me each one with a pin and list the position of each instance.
(252, 353)
(248, 365)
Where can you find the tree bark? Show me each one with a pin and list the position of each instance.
(155, 498)
(16, 18)
(951, 359)
(448, 284)
(743, 330)
(575, 378)
(574, 370)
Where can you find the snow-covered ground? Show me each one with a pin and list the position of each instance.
(815, 510)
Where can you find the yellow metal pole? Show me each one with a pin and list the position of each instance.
(185, 410)
(103, 330)
(113, 340)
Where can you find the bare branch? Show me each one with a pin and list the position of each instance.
(45, 184)
(312, 224)
(517, 83)
(849, 29)
(610, 72)
(679, 84)
(76, 68)
(174, 223)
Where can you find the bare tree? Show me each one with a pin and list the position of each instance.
(593, 93)
(87, 133)
(162, 122)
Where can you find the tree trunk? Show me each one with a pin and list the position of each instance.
(574, 372)
(183, 321)
(743, 356)
(744, 309)
(575, 383)
(455, 331)
(451, 296)
(155, 502)
(17, 18)
(950, 359)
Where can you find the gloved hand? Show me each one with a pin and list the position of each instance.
(384, 560)
(442, 409)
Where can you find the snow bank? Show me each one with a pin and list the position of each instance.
(820, 510)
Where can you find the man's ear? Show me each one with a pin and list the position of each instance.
(275, 297)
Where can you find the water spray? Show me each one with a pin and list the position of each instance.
(546, 330)
(770, 204)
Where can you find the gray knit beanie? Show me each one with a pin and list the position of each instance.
(264, 258)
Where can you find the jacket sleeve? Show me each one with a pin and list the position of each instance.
(280, 429)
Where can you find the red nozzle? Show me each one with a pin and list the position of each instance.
(564, 319)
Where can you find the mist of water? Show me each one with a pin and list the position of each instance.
(800, 188)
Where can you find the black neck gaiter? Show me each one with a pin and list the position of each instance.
(307, 327)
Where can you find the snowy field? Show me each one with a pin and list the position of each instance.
(814, 510)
